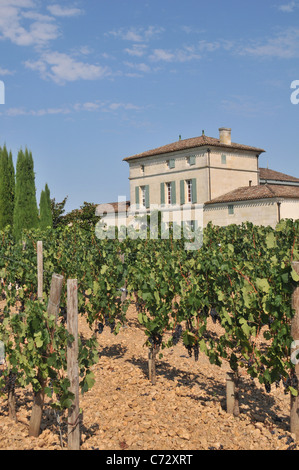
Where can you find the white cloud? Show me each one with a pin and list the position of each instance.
(5, 72)
(137, 50)
(88, 106)
(12, 15)
(162, 54)
(126, 106)
(285, 45)
(180, 55)
(142, 67)
(92, 106)
(61, 68)
(137, 35)
(288, 7)
(192, 30)
(208, 46)
(15, 112)
(58, 10)
(16, 14)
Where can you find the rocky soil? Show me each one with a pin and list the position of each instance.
(185, 410)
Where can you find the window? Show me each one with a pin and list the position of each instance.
(191, 160)
(168, 193)
(142, 169)
(142, 189)
(223, 159)
(189, 190)
(142, 196)
(191, 224)
(231, 209)
(171, 163)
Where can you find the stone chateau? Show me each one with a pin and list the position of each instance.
(205, 179)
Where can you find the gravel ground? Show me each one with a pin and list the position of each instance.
(185, 410)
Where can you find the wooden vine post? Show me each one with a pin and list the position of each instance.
(152, 354)
(294, 414)
(38, 404)
(11, 399)
(152, 365)
(72, 365)
(232, 395)
(40, 270)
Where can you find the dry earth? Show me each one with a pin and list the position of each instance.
(185, 410)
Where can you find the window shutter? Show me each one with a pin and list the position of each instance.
(182, 191)
(162, 190)
(171, 163)
(173, 194)
(137, 196)
(147, 203)
(194, 191)
(192, 160)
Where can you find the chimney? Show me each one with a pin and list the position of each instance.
(225, 135)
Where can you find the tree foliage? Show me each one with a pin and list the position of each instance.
(25, 209)
(7, 188)
(45, 212)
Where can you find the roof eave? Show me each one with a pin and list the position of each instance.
(209, 145)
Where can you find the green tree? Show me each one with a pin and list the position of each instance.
(7, 188)
(85, 217)
(25, 209)
(58, 209)
(45, 212)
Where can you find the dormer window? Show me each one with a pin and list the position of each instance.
(191, 160)
(231, 209)
(171, 163)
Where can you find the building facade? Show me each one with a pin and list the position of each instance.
(206, 179)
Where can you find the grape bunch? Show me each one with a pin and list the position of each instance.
(214, 315)
(177, 334)
(63, 315)
(109, 322)
(193, 350)
(291, 381)
(267, 387)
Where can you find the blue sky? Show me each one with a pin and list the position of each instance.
(88, 83)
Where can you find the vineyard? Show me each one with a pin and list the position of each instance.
(226, 305)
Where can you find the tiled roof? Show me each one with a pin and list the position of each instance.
(194, 142)
(263, 191)
(112, 207)
(267, 174)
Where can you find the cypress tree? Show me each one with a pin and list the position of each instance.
(25, 209)
(45, 212)
(7, 188)
(11, 187)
